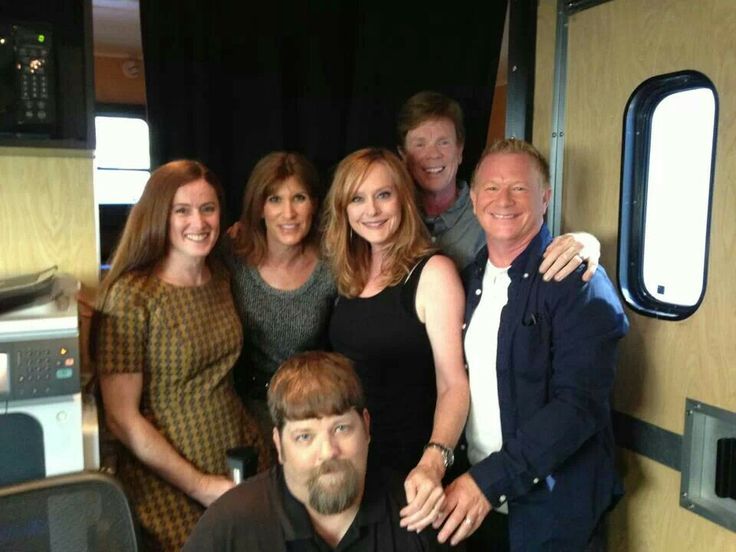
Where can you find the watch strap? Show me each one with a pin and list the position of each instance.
(448, 457)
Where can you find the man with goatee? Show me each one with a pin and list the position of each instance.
(322, 496)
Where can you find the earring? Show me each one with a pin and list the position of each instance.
(351, 234)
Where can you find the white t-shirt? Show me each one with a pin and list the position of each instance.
(483, 430)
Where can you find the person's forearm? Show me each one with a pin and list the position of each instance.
(450, 414)
(155, 452)
(424, 493)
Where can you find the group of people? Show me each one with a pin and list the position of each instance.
(520, 353)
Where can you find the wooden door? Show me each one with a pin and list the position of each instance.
(612, 48)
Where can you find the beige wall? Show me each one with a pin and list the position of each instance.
(544, 74)
(47, 214)
(612, 48)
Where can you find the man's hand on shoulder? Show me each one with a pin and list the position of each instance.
(465, 508)
(569, 251)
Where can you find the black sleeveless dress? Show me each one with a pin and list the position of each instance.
(390, 348)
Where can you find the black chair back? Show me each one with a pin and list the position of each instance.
(81, 512)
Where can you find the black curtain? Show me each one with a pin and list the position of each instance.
(229, 81)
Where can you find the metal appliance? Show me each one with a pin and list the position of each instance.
(40, 400)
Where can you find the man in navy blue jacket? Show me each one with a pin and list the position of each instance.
(541, 360)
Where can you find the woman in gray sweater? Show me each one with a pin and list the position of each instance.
(283, 291)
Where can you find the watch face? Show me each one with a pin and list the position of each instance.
(448, 456)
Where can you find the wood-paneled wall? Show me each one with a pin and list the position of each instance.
(664, 361)
(544, 74)
(47, 212)
(612, 48)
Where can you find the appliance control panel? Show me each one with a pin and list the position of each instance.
(39, 368)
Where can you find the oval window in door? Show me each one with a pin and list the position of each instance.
(670, 126)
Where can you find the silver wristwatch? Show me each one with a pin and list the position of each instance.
(448, 457)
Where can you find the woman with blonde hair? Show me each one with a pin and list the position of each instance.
(399, 318)
(166, 338)
(282, 289)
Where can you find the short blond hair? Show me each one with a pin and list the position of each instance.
(516, 146)
(314, 384)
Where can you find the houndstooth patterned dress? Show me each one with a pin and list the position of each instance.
(184, 340)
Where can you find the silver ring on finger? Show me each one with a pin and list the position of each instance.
(468, 520)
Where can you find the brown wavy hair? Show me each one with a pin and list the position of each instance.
(349, 255)
(145, 239)
(269, 173)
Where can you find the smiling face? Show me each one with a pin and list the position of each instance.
(288, 213)
(432, 154)
(325, 459)
(194, 221)
(374, 210)
(509, 199)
